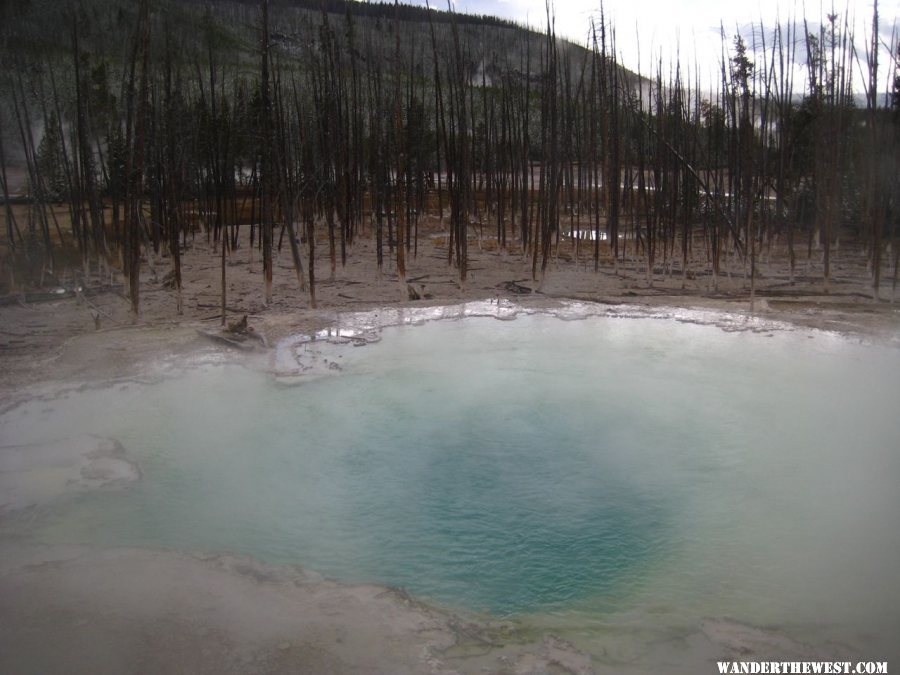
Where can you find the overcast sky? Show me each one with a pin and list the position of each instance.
(691, 26)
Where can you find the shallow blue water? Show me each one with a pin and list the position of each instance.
(614, 467)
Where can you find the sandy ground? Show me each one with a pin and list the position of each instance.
(58, 339)
(67, 609)
(78, 610)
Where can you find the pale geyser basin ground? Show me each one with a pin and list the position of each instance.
(627, 483)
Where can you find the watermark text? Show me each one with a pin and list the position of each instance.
(802, 667)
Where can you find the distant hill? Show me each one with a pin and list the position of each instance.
(38, 33)
(43, 29)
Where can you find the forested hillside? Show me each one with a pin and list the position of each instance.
(303, 125)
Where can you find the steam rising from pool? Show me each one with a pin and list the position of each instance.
(591, 474)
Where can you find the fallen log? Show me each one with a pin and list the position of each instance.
(217, 336)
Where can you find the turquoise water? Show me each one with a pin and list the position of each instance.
(585, 474)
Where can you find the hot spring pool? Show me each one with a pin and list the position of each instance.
(620, 481)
